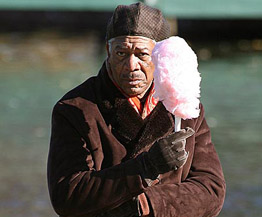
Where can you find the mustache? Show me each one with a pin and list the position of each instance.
(132, 76)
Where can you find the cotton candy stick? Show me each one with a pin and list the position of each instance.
(177, 124)
(176, 77)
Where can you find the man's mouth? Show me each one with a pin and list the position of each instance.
(134, 81)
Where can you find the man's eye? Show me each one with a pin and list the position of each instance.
(121, 54)
(143, 54)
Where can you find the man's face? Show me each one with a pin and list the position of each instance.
(129, 58)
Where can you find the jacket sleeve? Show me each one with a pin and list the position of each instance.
(203, 190)
(76, 187)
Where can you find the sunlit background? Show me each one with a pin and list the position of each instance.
(49, 47)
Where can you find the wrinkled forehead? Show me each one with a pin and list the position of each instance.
(139, 42)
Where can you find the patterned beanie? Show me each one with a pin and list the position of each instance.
(138, 20)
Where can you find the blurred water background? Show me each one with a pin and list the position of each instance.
(38, 67)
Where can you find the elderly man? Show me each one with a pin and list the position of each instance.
(113, 151)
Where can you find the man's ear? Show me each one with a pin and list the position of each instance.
(107, 49)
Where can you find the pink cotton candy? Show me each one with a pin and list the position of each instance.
(177, 80)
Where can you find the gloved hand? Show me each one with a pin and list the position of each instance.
(165, 155)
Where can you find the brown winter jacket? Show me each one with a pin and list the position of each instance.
(92, 165)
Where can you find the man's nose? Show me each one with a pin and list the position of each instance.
(133, 63)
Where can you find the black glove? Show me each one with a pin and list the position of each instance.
(165, 155)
